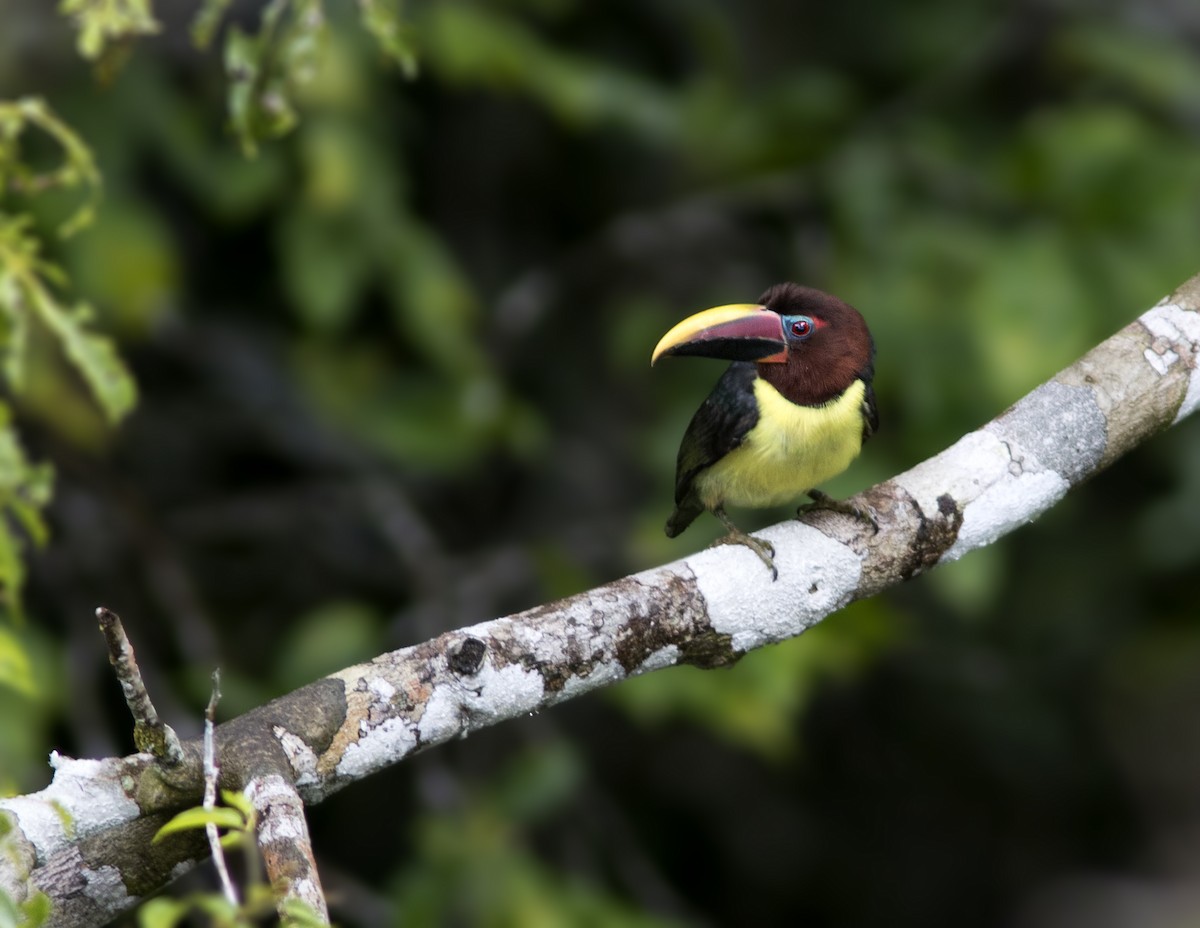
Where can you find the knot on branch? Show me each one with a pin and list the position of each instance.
(466, 657)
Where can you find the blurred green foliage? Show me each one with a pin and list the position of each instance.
(755, 708)
(100, 22)
(472, 868)
(29, 287)
(262, 68)
(395, 379)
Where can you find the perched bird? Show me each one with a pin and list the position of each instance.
(790, 412)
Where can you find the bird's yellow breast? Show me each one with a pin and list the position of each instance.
(790, 450)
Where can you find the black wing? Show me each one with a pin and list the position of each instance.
(870, 413)
(719, 426)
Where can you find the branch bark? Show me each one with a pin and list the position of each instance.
(149, 732)
(707, 610)
(285, 844)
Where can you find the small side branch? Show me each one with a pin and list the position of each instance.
(286, 847)
(150, 734)
(212, 774)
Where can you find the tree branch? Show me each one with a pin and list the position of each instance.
(707, 609)
(149, 732)
(283, 839)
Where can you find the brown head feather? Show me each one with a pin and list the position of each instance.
(839, 352)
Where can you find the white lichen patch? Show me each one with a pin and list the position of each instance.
(995, 486)
(381, 689)
(499, 693)
(301, 757)
(1181, 327)
(308, 891)
(272, 792)
(664, 657)
(817, 575)
(371, 679)
(1004, 506)
(443, 716)
(306, 888)
(92, 792)
(964, 471)
(377, 748)
(1160, 361)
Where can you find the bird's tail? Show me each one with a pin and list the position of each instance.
(681, 518)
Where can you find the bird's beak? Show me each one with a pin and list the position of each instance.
(738, 332)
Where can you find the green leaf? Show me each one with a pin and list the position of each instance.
(102, 21)
(21, 482)
(241, 68)
(265, 69)
(238, 801)
(162, 912)
(14, 332)
(76, 171)
(190, 819)
(28, 513)
(31, 913)
(35, 911)
(382, 19)
(299, 914)
(94, 356)
(25, 489)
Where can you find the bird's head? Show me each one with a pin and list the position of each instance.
(808, 343)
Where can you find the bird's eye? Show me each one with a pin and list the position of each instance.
(802, 327)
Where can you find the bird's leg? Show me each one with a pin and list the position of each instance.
(764, 549)
(821, 500)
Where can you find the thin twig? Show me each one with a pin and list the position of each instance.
(211, 773)
(150, 733)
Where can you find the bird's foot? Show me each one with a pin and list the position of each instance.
(848, 507)
(764, 549)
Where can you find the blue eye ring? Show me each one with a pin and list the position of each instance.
(800, 326)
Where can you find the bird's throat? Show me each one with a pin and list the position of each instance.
(791, 449)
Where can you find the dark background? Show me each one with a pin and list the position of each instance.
(394, 379)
